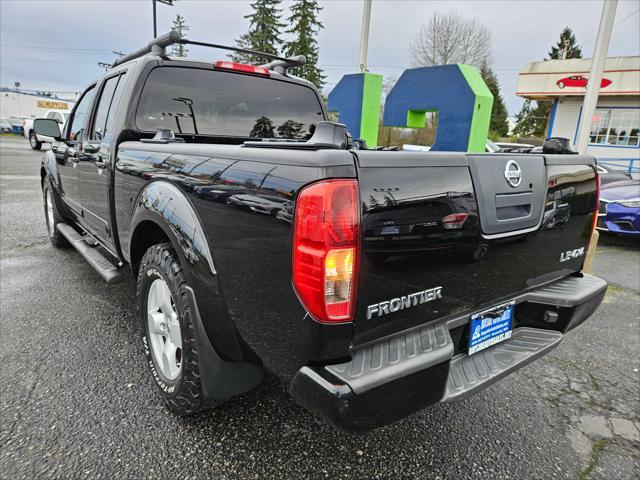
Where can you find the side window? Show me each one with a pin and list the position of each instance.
(102, 112)
(79, 115)
(105, 113)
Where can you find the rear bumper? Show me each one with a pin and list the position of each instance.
(398, 376)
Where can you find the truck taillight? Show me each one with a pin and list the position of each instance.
(326, 249)
(454, 221)
(241, 67)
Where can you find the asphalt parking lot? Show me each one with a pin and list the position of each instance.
(76, 400)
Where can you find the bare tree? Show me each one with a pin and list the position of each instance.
(451, 38)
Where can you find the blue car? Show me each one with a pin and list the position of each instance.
(620, 208)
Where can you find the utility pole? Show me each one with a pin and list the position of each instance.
(364, 35)
(595, 74)
(591, 98)
(155, 21)
(565, 50)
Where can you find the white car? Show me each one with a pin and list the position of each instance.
(5, 126)
(34, 140)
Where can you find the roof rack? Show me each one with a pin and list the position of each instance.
(158, 45)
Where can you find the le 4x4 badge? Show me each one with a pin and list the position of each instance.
(571, 254)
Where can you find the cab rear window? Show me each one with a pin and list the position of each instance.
(193, 101)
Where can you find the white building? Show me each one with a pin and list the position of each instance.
(21, 104)
(615, 126)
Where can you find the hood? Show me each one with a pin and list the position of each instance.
(620, 191)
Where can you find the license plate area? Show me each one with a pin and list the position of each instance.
(490, 327)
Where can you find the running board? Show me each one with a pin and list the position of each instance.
(470, 374)
(101, 264)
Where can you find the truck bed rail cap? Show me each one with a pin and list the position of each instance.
(394, 159)
(569, 160)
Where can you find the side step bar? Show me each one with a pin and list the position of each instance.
(107, 270)
(469, 374)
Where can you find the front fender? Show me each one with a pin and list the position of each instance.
(48, 166)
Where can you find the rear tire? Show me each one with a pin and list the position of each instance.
(167, 330)
(52, 216)
(33, 141)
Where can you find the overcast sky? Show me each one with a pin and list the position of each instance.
(56, 45)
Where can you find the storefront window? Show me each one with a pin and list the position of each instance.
(616, 126)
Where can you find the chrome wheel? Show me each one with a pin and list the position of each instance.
(51, 226)
(33, 140)
(164, 330)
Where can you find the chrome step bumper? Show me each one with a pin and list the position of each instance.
(469, 374)
(399, 375)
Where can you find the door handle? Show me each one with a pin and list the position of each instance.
(91, 148)
(73, 154)
(101, 164)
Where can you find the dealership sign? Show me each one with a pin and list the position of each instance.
(53, 105)
(557, 78)
(457, 92)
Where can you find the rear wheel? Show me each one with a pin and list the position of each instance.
(52, 216)
(167, 330)
(33, 141)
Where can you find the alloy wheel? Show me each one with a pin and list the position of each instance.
(164, 330)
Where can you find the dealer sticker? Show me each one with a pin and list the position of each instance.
(490, 327)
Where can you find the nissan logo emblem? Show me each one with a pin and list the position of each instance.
(512, 173)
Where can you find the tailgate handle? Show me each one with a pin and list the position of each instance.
(513, 199)
(513, 206)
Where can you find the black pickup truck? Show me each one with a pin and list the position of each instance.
(262, 237)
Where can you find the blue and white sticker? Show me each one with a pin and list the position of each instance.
(490, 327)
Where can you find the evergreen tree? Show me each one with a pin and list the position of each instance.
(290, 129)
(263, 128)
(264, 32)
(499, 125)
(305, 26)
(179, 25)
(532, 119)
(573, 50)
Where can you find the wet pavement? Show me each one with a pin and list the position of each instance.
(77, 402)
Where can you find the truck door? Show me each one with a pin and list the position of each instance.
(94, 169)
(69, 150)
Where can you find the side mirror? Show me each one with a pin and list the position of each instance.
(47, 127)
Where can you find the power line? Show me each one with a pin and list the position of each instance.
(403, 67)
(44, 60)
(614, 25)
(29, 90)
(40, 47)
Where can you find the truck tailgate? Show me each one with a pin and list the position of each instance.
(447, 233)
